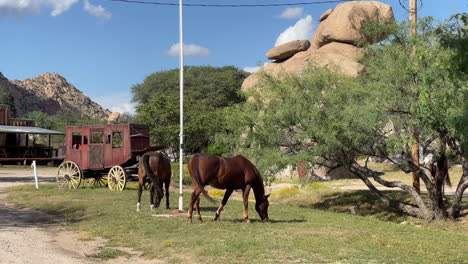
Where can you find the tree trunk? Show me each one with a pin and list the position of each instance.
(454, 211)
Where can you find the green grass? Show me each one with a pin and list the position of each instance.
(109, 253)
(296, 234)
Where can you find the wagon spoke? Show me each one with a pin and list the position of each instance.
(69, 175)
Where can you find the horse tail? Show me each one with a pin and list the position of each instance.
(154, 179)
(195, 174)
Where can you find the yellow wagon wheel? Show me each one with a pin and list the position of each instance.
(69, 175)
(117, 178)
(98, 181)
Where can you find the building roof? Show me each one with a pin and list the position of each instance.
(28, 130)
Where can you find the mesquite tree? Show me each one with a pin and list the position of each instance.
(325, 118)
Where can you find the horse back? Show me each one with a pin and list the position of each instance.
(159, 164)
(223, 173)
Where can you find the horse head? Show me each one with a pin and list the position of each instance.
(262, 208)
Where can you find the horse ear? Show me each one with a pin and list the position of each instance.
(268, 195)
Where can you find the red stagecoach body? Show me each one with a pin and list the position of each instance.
(92, 151)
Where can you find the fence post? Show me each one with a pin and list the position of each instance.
(33, 165)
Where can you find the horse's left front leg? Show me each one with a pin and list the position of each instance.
(245, 194)
(227, 194)
(167, 193)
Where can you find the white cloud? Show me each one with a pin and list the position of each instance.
(97, 10)
(117, 102)
(18, 8)
(190, 50)
(24, 7)
(253, 69)
(303, 29)
(292, 13)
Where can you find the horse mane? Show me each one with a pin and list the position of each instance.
(258, 187)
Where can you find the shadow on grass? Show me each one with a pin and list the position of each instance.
(271, 221)
(361, 202)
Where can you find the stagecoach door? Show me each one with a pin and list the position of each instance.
(75, 141)
(96, 148)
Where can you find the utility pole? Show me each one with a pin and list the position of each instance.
(413, 9)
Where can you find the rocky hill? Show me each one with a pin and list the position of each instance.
(51, 93)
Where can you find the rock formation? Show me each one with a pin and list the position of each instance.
(287, 50)
(334, 44)
(51, 93)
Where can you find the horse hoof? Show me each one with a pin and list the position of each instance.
(247, 221)
(216, 217)
(189, 221)
(152, 207)
(168, 208)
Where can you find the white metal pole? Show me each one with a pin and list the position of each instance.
(33, 165)
(181, 91)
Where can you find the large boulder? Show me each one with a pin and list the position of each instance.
(347, 50)
(325, 15)
(334, 43)
(303, 60)
(347, 19)
(287, 50)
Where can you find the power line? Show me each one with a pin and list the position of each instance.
(231, 5)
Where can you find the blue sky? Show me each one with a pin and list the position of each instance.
(105, 47)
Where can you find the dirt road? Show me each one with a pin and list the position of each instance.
(28, 236)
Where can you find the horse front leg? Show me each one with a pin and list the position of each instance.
(194, 198)
(227, 194)
(167, 194)
(245, 194)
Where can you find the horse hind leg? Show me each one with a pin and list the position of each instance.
(140, 190)
(198, 210)
(227, 194)
(152, 197)
(194, 198)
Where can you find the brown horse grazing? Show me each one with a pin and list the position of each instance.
(157, 167)
(230, 174)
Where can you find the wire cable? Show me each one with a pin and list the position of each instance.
(231, 5)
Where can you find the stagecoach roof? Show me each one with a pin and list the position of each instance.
(28, 130)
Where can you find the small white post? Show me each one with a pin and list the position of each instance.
(33, 165)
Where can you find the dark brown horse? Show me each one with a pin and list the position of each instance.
(229, 174)
(157, 167)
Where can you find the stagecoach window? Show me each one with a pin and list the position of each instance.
(76, 140)
(116, 139)
(108, 139)
(85, 140)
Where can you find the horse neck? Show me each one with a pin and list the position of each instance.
(259, 190)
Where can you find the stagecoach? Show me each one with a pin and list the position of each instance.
(103, 155)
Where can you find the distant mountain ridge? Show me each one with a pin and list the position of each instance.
(51, 93)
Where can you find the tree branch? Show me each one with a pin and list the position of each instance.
(362, 172)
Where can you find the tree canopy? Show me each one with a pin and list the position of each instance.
(207, 90)
(325, 118)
